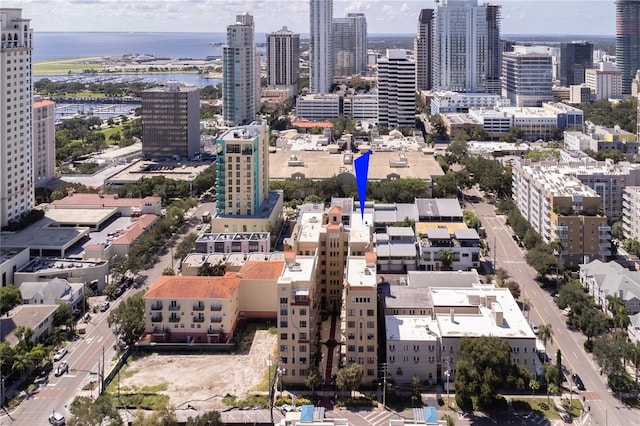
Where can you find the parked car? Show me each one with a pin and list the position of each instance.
(535, 328)
(57, 419)
(60, 354)
(62, 368)
(577, 381)
(567, 311)
(104, 307)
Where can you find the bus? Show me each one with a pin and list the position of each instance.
(206, 217)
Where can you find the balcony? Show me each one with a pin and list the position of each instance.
(156, 318)
(156, 306)
(174, 308)
(212, 330)
(198, 319)
(198, 307)
(174, 318)
(216, 307)
(216, 318)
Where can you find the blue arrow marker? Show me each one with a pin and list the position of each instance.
(361, 165)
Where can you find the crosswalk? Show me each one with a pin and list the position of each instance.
(378, 418)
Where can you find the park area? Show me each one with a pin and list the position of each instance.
(201, 380)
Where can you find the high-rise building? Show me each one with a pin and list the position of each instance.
(171, 121)
(239, 79)
(422, 47)
(350, 45)
(242, 170)
(16, 117)
(494, 50)
(460, 54)
(627, 40)
(575, 58)
(527, 78)
(44, 141)
(605, 82)
(396, 90)
(283, 58)
(321, 46)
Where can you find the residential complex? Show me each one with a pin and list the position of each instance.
(318, 106)
(321, 46)
(171, 121)
(16, 118)
(599, 138)
(561, 208)
(605, 82)
(527, 78)
(603, 280)
(244, 202)
(396, 90)
(447, 101)
(241, 79)
(631, 211)
(627, 40)
(283, 60)
(422, 49)
(460, 54)
(349, 45)
(44, 142)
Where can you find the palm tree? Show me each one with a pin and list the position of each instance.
(617, 308)
(534, 385)
(545, 333)
(22, 362)
(634, 356)
(446, 257)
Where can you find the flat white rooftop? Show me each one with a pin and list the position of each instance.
(359, 273)
(411, 328)
(302, 270)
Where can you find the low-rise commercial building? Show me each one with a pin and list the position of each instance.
(318, 106)
(447, 101)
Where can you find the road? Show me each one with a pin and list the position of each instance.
(603, 407)
(85, 354)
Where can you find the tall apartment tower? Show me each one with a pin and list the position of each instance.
(396, 90)
(350, 45)
(460, 55)
(422, 46)
(171, 121)
(283, 58)
(321, 46)
(16, 117)
(575, 58)
(44, 141)
(627, 40)
(494, 51)
(242, 170)
(239, 80)
(527, 78)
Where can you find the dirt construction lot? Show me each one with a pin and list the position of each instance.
(201, 380)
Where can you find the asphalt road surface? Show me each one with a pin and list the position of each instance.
(604, 409)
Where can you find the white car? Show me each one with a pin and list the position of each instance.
(56, 419)
(535, 328)
(60, 354)
(62, 368)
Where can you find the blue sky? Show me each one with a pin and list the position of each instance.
(596, 17)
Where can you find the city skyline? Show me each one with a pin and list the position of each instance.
(566, 17)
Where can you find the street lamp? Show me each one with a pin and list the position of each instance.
(269, 365)
(447, 374)
(281, 372)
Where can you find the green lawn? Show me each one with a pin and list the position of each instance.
(108, 131)
(547, 410)
(66, 66)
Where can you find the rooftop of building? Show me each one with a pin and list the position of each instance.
(361, 272)
(172, 86)
(494, 312)
(190, 287)
(321, 164)
(302, 270)
(578, 168)
(411, 328)
(29, 316)
(101, 200)
(249, 131)
(44, 234)
(46, 264)
(424, 279)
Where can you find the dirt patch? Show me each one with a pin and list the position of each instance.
(203, 380)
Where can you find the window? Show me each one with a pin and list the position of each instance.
(283, 336)
(284, 348)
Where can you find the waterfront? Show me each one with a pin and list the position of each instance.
(193, 79)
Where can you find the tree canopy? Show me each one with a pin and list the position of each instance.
(484, 367)
(349, 377)
(10, 297)
(129, 316)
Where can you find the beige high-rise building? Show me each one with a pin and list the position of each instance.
(44, 142)
(16, 117)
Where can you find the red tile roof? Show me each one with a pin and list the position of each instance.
(304, 123)
(188, 287)
(262, 270)
(335, 209)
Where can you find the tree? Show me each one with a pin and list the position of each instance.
(63, 316)
(471, 220)
(168, 271)
(349, 377)
(609, 351)
(534, 386)
(129, 316)
(186, 246)
(22, 361)
(617, 307)
(457, 149)
(10, 297)
(110, 290)
(163, 415)
(559, 372)
(87, 412)
(514, 288)
(313, 378)
(416, 396)
(446, 257)
(208, 270)
(502, 275)
(545, 333)
(210, 418)
(617, 230)
(541, 259)
(484, 367)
